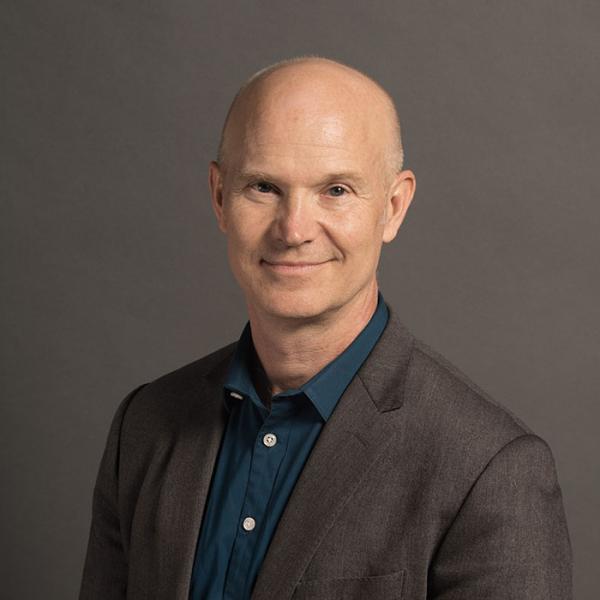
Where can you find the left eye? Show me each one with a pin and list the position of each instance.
(336, 191)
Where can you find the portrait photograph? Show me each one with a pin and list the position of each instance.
(300, 300)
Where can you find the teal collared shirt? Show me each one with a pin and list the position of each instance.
(262, 454)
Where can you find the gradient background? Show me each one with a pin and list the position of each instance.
(114, 271)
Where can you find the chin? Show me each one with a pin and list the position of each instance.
(295, 305)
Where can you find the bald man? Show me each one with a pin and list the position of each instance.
(328, 453)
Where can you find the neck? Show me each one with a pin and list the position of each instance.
(292, 351)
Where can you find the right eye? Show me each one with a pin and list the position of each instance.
(264, 187)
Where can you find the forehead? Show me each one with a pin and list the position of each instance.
(295, 132)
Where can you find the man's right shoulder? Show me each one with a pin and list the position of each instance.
(175, 394)
(213, 366)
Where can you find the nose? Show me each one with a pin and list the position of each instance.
(295, 222)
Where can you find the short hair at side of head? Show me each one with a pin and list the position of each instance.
(396, 153)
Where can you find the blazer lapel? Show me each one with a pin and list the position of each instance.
(357, 432)
(186, 482)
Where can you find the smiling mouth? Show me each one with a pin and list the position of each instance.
(291, 268)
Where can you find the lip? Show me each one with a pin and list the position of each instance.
(291, 268)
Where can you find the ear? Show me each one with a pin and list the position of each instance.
(399, 198)
(215, 183)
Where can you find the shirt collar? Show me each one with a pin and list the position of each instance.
(326, 387)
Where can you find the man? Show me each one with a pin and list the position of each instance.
(327, 454)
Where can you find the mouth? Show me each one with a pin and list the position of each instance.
(292, 267)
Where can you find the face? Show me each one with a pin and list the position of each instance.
(306, 201)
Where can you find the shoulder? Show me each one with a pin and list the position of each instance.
(456, 422)
(445, 419)
(174, 396)
(212, 365)
(447, 389)
(455, 434)
(403, 371)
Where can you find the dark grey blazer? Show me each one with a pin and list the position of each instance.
(419, 486)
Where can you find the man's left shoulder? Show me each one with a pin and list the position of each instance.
(454, 430)
(448, 391)
(405, 371)
(441, 410)
(456, 423)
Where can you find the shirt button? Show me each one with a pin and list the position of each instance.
(249, 524)
(269, 440)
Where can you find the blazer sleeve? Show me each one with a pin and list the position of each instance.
(105, 569)
(509, 539)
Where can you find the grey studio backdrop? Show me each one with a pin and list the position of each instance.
(114, 271)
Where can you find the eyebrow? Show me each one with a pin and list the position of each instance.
(254, 175)
(345, 176)
(329, 177)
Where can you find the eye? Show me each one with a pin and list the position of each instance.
(336, 191)
(264, 187)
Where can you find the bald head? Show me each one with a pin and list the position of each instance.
(306, 90)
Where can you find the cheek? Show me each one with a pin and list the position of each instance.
(245, 232)
(357, 233)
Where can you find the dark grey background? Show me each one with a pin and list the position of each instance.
(114, 271)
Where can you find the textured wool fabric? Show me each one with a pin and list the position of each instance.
(419, 486)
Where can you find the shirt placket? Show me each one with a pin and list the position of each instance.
(268, 452)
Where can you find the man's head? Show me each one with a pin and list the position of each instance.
(308, 186)
(393, 143)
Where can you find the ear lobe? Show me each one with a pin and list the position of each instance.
(401, 195)
(215, 183)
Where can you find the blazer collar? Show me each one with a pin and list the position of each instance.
(384, 372)
(325, 388)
